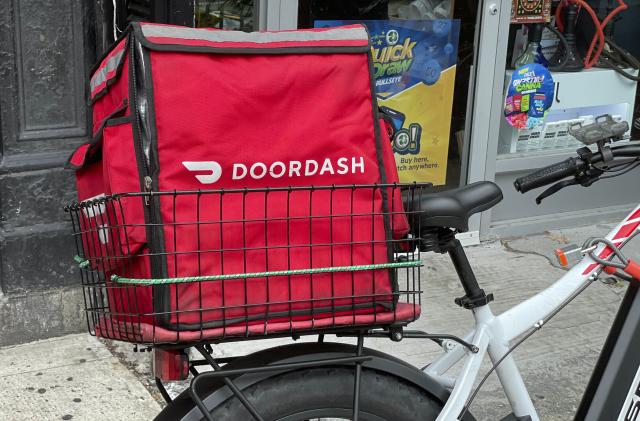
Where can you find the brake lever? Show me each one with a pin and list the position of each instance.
(555, 189)
(585, 179)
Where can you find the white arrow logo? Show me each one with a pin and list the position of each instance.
(212, 167)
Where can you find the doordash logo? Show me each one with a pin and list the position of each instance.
(213, 169)
(258, 170)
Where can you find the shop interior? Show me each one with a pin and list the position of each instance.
(589, 47)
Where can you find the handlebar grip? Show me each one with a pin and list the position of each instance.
(547, 175)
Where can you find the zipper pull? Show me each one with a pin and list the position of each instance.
(148, 183)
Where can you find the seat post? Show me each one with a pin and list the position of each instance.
(474, 295)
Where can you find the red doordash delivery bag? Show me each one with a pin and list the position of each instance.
(219, 132)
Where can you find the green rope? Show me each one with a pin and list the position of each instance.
(82, 262)
(187, 279)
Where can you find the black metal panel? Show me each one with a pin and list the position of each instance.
(37, 258)
(40, 314)
(43, 74)
(616, 368)
(36, 197)
(46, 50)
(49, 81)
(175, 12)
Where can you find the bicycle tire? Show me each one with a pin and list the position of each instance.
(326, 392)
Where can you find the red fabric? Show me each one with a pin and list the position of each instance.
(168, 39)
(130, 304)
(113, 98)
(148, 333)
(253, 111)
(111, 229)
(79, 156)
(264, 116)
(93, 218)
(121, 175)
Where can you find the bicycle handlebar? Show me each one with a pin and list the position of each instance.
(549, 174)
(569, 167)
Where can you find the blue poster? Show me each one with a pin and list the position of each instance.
(414, 69)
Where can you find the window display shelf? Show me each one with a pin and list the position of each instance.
(579, 98)
(553, 135)
(524, 161)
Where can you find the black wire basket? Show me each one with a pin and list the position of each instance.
(230, 264)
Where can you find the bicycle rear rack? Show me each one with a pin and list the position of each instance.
(395, 333)
(219, 372)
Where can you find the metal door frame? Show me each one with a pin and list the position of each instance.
(492, 35)
(276, 15)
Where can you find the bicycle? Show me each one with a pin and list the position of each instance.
(335, 380)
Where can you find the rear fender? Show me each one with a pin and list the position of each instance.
(183, 407)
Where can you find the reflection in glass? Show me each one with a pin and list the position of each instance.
(422, 9)
(225, 14)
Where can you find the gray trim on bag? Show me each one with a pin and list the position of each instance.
(111, 65)
(212, 49)
(253, 51)
(337, 34)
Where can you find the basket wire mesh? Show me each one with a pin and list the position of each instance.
(231, 264)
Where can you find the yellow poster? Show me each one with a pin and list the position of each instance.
(414, 66)
(426, 108)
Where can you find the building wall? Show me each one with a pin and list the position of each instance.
(46, 50)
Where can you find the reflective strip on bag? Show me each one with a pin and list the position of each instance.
(108, 69)
(352, 35)
(102, 74)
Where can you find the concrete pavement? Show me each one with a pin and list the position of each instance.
(73, 377)
(113, 383)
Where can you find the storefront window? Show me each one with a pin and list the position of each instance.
(525, 130)
(521, 135)
(434, 41)
(225, 14)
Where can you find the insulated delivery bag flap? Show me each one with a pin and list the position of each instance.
(194, 121)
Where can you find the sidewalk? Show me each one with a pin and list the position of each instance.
(77, 377)
(74, 377)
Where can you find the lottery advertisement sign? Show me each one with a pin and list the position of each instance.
(414, 69)
(529, 96)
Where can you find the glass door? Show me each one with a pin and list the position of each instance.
(239, 15)
(474, 122)
(423, 53)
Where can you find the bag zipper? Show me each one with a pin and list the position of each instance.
(148, 181)
(148, 184)
(153, 218)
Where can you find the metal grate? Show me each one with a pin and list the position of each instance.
(232, 264)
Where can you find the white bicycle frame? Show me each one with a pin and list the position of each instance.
(492, 334)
